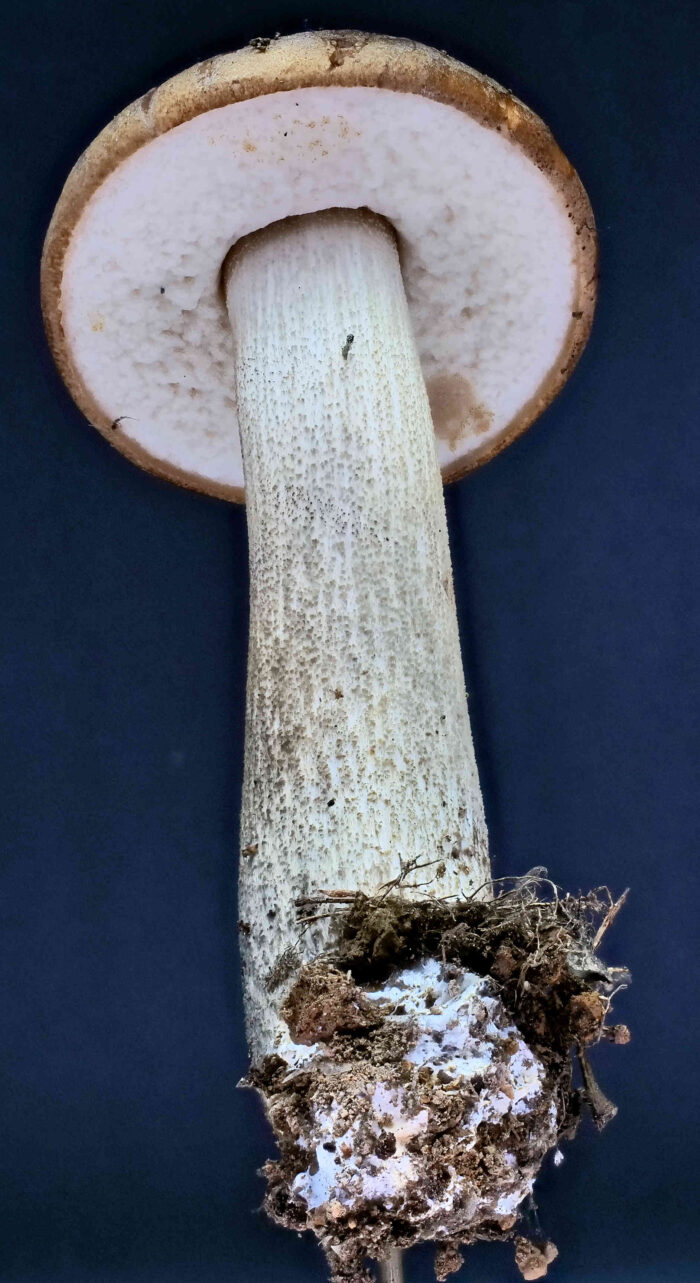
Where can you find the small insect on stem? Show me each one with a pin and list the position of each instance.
(349, 340)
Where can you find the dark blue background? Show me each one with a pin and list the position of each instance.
(127, 1155)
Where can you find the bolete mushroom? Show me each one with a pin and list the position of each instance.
(323, 268)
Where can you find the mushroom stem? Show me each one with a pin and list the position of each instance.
(359, 765)
(391, 1269)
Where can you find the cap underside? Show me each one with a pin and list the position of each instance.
(497, 252)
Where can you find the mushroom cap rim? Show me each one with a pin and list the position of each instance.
(317, 58)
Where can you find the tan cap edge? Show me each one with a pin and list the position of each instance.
(346, 58)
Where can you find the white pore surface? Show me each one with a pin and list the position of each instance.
(487, 256)
(459, 1025)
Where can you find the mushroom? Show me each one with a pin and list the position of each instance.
(326, 268)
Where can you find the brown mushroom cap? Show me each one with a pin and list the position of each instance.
(502, 302)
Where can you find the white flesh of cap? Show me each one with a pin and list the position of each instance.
(488, 258)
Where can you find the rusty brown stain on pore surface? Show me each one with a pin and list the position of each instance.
(456, 412)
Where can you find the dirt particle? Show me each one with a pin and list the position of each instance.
(504, 964)
(343, 47)
(323, 1002)
(618, 1034)
(586, 1015)
(534, 1258)
(448, 1260)
(386, 1145)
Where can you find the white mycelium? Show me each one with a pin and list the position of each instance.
(460, 1034)
(354, 1177)
(454, 1014)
